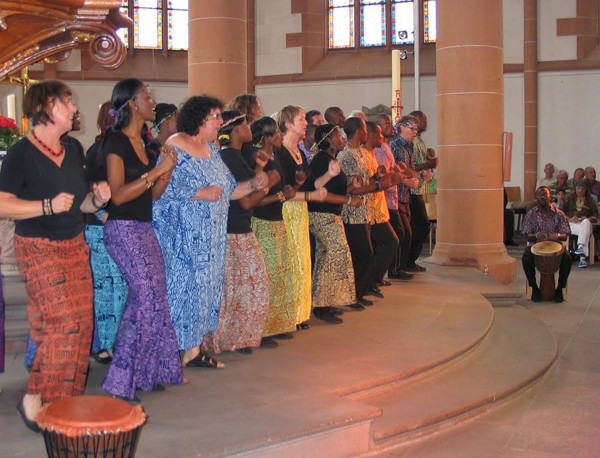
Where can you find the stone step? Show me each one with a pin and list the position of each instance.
(517, 350)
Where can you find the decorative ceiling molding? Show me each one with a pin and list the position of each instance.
(37, 30)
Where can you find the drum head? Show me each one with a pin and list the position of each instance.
(546, 248)
(90, 415)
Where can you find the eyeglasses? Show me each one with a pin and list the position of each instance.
(215, 115)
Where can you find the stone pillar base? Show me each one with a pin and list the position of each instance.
(500, 266)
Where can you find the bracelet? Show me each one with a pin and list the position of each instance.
(149, 183)
(349, 199)
(47, 209)
(307, 196)
(252, 186)
(266, 190)
(100, 213)
(281, 196)
(95, 205)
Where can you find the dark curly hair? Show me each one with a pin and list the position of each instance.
(322, 134)
(263, 127)
(192, 114)
(38, 100)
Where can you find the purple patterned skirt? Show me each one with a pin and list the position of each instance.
(146, 351)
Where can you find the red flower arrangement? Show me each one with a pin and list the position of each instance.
(9, 132)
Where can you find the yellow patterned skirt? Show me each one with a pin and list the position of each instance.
(333, 275)
(295, 216)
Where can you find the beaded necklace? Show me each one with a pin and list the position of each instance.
(47, 148)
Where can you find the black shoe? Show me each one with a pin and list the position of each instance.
(31, 424)
(558, 295)
(268, 342)
(402, 275)
(326, 314)
(365, 302)
(245, 350)
(384, 283)
(204, 360)
(415, 268)
(536, 295)
(511, 242)
(103, 357)
(302, 326)
(357, 306)
(284, 336)
(336, 311)
(374, 291)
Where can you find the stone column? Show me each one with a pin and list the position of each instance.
(217, 55)
(530, 94)
(470, 112)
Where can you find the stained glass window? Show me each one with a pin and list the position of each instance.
(403, 26)
(341, 24)
(123, 32)
(147, 24)
(372, 22)
(177, 12)
(429, 21)
(372, 17)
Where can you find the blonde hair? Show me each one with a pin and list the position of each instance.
(287, 114)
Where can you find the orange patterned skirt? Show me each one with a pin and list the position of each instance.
(58, 282)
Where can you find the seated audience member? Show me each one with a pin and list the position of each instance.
(578, 174)
(509, 223)
(544, 222)
(561, 197)
(590, 176)
(582, 211)
(563, 182)
(548, 177)
(315, 117)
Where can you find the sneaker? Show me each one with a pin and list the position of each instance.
(579, 251)
(582, 262)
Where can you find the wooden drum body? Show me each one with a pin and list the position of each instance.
(547, 256)
(91, 426)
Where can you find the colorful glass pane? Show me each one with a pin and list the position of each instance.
(147, 24)
(429, 21)
(177, 4)
(372, 23)
(178, 29)
(123, 32)
(341, 24)
(403, 28)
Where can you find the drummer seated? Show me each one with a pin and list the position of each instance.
(544, 222)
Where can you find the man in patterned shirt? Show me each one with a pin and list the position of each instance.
(544, 222)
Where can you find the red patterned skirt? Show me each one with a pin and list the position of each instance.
(58, 282)
(245, 297)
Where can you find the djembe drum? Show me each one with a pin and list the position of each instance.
(91, 426)
(547, 256)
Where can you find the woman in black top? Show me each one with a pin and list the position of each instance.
(245, 293)
(332, 274)
(146, 354)
(42, 187)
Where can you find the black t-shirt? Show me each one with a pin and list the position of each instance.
(272, 211)
(290, 167)
(139, 209)
(30, 175)
(238, 220)
(336, 185)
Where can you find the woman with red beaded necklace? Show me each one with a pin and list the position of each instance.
(42, 187)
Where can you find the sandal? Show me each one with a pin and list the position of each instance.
(203, 360)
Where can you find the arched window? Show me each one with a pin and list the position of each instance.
(157, 24)
(373, 17)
